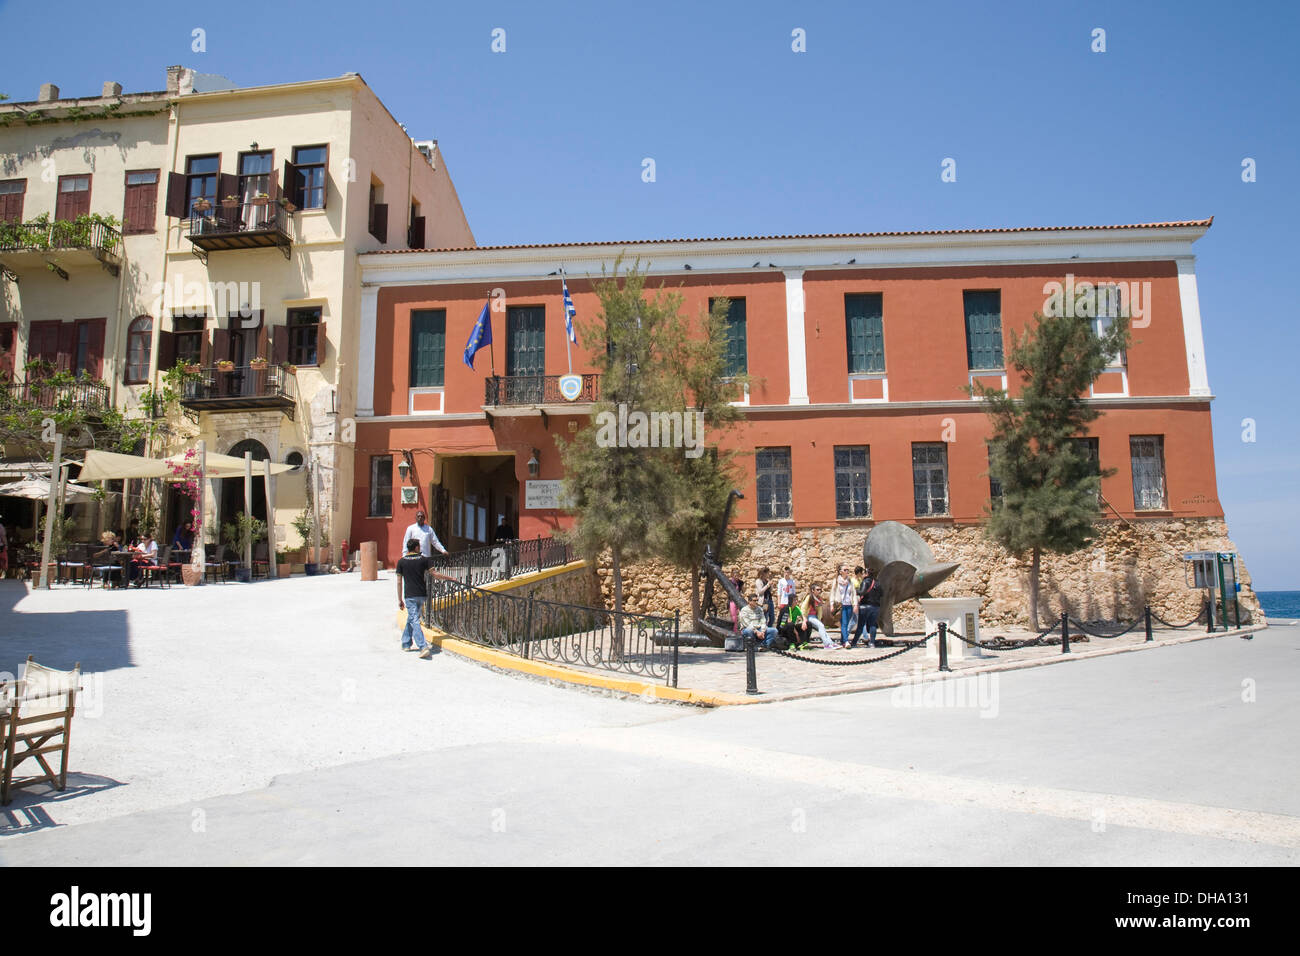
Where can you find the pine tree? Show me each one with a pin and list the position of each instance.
(1050, 486)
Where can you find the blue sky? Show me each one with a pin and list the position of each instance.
(545, 141)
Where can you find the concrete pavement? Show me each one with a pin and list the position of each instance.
(1177, 756)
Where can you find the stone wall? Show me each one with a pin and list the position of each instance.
(1130, 564)
(579, 586)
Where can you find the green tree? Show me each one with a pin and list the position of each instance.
(1050, 488)
(647, 501)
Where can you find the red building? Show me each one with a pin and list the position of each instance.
(860, 348)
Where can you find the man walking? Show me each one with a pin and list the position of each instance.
(410, 571)
(424, 534)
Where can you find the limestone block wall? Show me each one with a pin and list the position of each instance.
(1130, 564)
(576, 586)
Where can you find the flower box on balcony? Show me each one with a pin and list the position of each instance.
(202, 205)
(289, 369)
(225, 366)
(259, 200)
(230, 202)
(192, 369)
(258, 364)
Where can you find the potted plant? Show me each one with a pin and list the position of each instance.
(192, 368)
(239, 534)
(283, 564)
(285, 204)
(202, 205)
(261, 199)
(289, 369)
(225, 365)
(257, 363)
(230, 202)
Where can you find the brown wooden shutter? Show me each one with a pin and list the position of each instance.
(280, 345)
(273, 186)
(67, 345)
(227, 185)
(11, 204)
(95, 348)
(380, 231)
(166, 350)
(205, 346)
(416, 240)
(177, 205)
(292, 184)
(220, 344)
(262, 345)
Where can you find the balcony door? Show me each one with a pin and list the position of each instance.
(525, 354)
(255, 181)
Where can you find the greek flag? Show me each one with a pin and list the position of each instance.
(569, 313)
(481, 336)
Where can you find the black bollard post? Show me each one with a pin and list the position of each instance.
(1065, 632)
(943, 647)
(1148, 616)
(1209, 617)
(751, 671)
(677, 625)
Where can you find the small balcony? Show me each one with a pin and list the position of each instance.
(245, 225)
(241, 388)
(517, 395)
(86, 396)
(57, 246)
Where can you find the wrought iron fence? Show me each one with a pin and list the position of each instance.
(638, 644)
(239, 381)
(88, 396)
(83, 233)
(503, 560)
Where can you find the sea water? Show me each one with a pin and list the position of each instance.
(1280, 604)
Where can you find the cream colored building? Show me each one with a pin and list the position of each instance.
(243, 211)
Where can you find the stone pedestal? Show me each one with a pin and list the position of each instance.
(962, 615)
(369, 561)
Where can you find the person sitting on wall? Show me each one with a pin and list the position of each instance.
(753, 623)
(810, 612)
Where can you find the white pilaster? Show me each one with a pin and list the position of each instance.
(366, 352)
(1197, 376)
(796, 346)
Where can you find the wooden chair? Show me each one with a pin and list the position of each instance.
(40, 711)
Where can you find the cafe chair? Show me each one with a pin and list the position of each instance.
(36, 720)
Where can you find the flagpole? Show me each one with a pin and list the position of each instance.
(568, 352)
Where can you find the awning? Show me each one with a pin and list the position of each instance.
(38, 489)
(109, 466)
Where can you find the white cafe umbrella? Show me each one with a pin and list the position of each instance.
(38, 489)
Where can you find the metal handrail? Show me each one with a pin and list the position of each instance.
(536, 390)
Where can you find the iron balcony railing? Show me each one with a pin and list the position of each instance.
(240, 386)
(85, 396)
(98, 237)
(638, 644)
(536, 390)
(501, 561)
(244, 217)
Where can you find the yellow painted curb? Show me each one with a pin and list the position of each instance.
(549, 671)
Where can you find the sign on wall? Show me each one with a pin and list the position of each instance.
(544, 494)
(408, 494)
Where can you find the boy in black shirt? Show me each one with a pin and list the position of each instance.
(410, 571)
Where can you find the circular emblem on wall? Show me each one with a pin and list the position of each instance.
(570, 386)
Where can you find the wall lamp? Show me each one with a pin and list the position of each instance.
(534, 464)
(404, 466)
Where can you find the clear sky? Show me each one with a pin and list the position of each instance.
(545, 141)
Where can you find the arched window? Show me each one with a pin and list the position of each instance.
(139, 343)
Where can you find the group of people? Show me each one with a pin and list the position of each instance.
(776, 617)
(143, 550)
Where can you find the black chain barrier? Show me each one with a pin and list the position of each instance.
(1200, 616)
(1002, 644)
(907, 646)
(1095, 633)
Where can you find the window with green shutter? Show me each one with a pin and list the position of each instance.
(428, 347)
(526, 340)
(865, 329)
(737, 339)
(983, 329)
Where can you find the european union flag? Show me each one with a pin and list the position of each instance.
(569, 313)
(481, 336)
